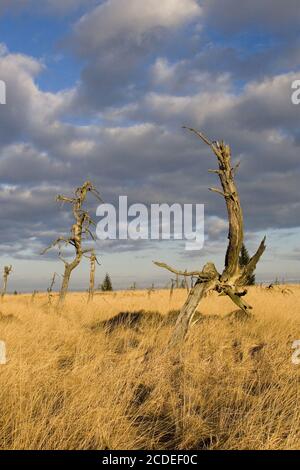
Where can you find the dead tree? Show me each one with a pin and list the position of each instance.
(50, 288)
(93, 261)
(34, 293)
(231, 281)
(6, 272)
(79, 232)
(150, 290)
(173, 283)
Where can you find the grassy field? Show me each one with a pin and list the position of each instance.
(73, 382)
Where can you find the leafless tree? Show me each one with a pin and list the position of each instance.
(93, 261)
(80, 231)
(33, 296)
(231, 281)
(50, 288)
(6, 272)
(150, 290)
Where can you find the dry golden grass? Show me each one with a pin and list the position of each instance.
(70, 386)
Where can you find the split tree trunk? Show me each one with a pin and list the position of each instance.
(187, 312)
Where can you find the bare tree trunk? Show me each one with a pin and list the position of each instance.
(33, 296)
(6, 273)
(187, 311)
(50, 289)
(186, 283)
(65, 284)
(92, 277)
(4, 288)
(171, 290)
(69, 267)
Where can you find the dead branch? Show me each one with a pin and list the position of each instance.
(175, 271)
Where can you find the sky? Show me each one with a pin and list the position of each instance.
(100, 90)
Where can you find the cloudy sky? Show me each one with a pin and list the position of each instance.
(100, 89)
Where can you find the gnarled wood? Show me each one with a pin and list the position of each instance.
(250, 267)
(233, 275)
(80, 230)
(200, 274)
(194, 297)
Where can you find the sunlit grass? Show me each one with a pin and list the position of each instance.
(67, 386)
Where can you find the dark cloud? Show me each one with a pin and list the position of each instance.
(118, 40)
(269, 16)
(136, 90)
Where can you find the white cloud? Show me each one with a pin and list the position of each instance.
(3, 49)
(259, 106)
(195, 109)
(118, 38)
(162, 71)
(116, 18)
(28, 109)
(184, 77)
